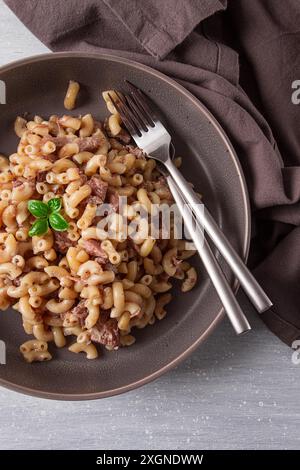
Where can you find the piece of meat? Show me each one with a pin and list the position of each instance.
(97, 219)
(57, 189)
(79, 313)
(94, 200)
(135, 151)
(131, 250)
(93, 248)
(161, 183)
(98, 125)
(123, 136)
(148, 185)
(28, 183)
(38, 318)
(50, 157)
(101, 260)
(59, 141)
(176, 262)
(53, 295)
(114, 202)
(106, 331)
(62, 242)
(111, 267)
(115, 144)
(83, 177)
(16, 282)
(17, 182)
(99, 190)
(134, 248)
(89, 144)
(41, 176)
(164, 277)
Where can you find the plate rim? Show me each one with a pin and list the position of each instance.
(247, 226)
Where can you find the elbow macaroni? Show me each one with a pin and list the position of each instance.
(94, 287)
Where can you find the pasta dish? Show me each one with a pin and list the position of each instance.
(62, 274)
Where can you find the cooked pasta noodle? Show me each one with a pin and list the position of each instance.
(93, 280)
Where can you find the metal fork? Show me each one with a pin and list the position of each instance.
(223, 289)
(228, 300)
(236, 316)
(150, 135)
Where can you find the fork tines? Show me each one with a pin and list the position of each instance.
(134, 110)
(142, 103)
(120, 107)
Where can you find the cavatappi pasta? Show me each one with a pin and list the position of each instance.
(78, 283)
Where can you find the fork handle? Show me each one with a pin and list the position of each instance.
(256, 294)
(223, 289)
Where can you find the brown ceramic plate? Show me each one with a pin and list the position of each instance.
(37, 85)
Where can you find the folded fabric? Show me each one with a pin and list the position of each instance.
(240, 58)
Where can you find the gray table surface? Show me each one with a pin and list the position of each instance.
(233, 393)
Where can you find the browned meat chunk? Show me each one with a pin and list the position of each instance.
(123, 136)
(17, 183)
(51, 157)
(148, 185)
(59, 141)
(16, 282)
(99, 189)
(41, 176)
(114, 202)
(161, 184)
(111, 267)
(83, 177)
(101, 259)
(80, 312)
(88, 144)
(27, 183)
(62, 241)
(93, 248)
(135, 151)
(106, 331)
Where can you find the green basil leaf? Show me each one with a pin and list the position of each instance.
(39, 227)
(57, 222)
(38, 208)
(54, 204)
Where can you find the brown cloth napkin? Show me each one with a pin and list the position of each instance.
(239, 57)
